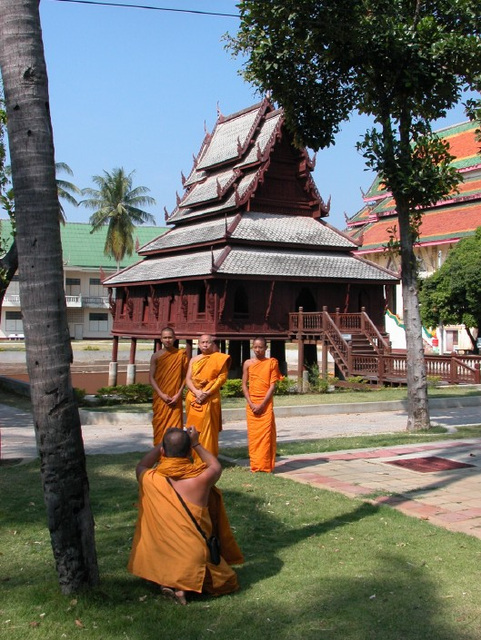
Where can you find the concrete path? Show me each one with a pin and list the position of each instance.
(447, 498)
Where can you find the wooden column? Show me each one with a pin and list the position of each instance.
(113, 365)
(300, 352)
(131, 365)
(234, 351)
(325, 352)
(188, 348)
(278, 351)
(245, 350)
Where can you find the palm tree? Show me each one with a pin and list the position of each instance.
(65, 189)
(117, 204)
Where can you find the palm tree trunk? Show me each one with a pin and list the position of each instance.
(56, 416)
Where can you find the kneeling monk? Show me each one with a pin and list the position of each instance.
(168, 548)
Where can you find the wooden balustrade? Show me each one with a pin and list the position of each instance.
(382, 366)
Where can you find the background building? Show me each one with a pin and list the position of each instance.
(443, 225)
(85, 266)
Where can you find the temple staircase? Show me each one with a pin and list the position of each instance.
(359, 348)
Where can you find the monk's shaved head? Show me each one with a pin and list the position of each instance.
(176, 443)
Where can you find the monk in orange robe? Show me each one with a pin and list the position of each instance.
(168, 367)
(167, 547)
(206, 374)
(259, 377)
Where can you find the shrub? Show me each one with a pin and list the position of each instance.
(358, 383)
(79, 395)
(285, 386)
(126, 394)
(316, 383)
(232, 388)
(433, 381)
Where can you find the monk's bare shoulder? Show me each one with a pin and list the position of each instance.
(248, 363)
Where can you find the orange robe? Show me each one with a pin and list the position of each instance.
(209, 373)
(261, 429)
(167, 548)
(170, 370)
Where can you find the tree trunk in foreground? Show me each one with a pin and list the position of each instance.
(9, 265)
(56, 416)
(418, 407)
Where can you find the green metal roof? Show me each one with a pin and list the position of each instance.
(86, 250)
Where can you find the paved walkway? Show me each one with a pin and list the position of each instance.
(447, 498)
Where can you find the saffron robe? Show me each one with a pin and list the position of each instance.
(170, 370)
(209, 373)
(261, 428)
(167, 548)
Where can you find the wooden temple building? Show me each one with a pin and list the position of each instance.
(247, 250)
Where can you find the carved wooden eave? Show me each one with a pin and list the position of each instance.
(234, 224)
(111, 301)
(216, 264)
(222, 300)
(155, 302)
(269, 302)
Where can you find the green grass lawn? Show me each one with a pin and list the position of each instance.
(318, 565)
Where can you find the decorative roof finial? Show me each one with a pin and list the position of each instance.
(166, 214)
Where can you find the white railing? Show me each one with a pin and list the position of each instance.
(11, 300)
(95, 301)
(73, 301)
(102, 302)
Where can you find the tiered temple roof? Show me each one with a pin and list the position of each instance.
(250, 209)
(446, 222)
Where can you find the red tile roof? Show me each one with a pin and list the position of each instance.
(439, 225)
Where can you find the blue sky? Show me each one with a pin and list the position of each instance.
(134, 88)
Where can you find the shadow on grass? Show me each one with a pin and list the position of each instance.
(299, 579)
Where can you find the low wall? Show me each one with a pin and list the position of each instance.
(15, 386)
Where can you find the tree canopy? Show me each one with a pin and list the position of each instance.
(403, 62)
(117, 203)
(452, 294)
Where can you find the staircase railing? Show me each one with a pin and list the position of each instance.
(339, 345)
(372, 333)
(383, 365)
